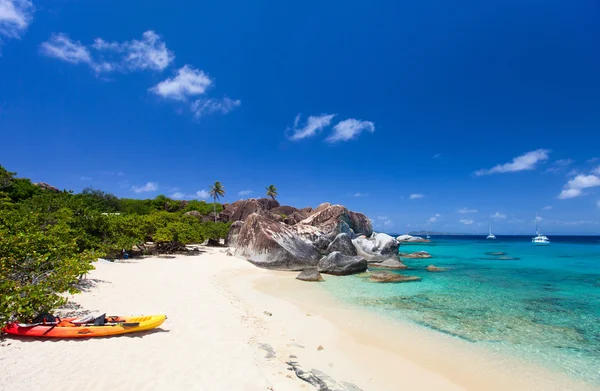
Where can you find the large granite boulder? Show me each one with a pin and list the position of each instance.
(341, 265)
(272, 245)
(45, 186)
(377, 248)
(309, 275)
(194, 213)
(342, 244)
(293, 218)
(389, 264)
(335, 219)
(416, 255)
(232, 235)
(411, 239)
(284, 210)
(392, 277)
(240, 210)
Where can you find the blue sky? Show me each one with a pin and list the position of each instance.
(424, 115)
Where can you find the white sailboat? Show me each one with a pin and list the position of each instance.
(539, 240)
(491, 235)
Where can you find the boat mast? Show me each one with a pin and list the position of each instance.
(537, 231)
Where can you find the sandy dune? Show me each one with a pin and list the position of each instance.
(230, 326)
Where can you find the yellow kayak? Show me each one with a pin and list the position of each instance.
(74, 328)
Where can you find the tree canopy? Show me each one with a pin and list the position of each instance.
(48, 239)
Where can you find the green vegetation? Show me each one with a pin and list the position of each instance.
(48, 239)
(271, 191)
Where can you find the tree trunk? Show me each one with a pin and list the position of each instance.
(215, 207)
(273, 198)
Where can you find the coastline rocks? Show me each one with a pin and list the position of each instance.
(341, 265)
(384, 277)
(411, 239)
(232, 235)
(294, 218)
(269, 244)
(416, 255)
(390, 264)
(309, 275)
(332, 220)
(240, 210)
(433, 268)
(378, 248)
(342, 244)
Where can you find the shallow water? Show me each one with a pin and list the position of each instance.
(541, 304)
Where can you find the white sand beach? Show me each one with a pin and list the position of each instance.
(232, 326)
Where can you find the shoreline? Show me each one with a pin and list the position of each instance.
(464, 364)
(233, 326)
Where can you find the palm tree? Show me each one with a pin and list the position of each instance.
(271, 191)
(216, 191)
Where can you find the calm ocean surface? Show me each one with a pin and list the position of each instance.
(541, 304)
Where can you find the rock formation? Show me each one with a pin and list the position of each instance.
(433, 268)
(417, 255)
(389, 264)
(411, 239)
(378, 248)
(341, 265)
(310, 275)
(342, 244)
(232, 235)
(45, 186)
(392, 277)
(267, 243)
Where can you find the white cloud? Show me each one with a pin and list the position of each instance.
(202, 194)
(62, 47)
(574, 187)
(314, 124)
(434, 218)
(527, 161)
(559, 165)
(596, 171)
(15, 17)
(498, 216)
(539, 218)
(383, 218)
(150, 186)
(466, 222)
(244, 192)
(437, 156)
(388, 223)
(208, 106)
(86, 178)
(149, 53)
(598, 203)
(178, 195)
(548, 207)
(466, 210)
(187, 83)
(349, 129)
(416, 196)
(360, 194)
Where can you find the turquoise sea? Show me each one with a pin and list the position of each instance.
(541, 304)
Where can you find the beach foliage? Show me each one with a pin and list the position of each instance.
(49, 239)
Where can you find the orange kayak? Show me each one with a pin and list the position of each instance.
(70, 328)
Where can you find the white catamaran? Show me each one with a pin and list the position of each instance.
(491, 235)
(539, 240)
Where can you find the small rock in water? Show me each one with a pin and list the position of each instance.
(267, 313)
(320, 348)
(433, 268)
(392, 277)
